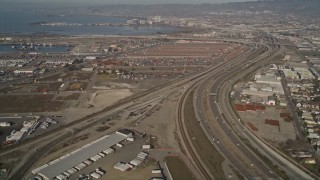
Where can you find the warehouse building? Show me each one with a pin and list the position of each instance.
(78, 156)
(125, 132)
(25, 71)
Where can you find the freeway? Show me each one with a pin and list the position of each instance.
(186, 140)
(228, 140)
(292, 169)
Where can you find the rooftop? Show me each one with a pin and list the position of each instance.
(76, 157)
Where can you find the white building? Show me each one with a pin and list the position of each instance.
(125, 132)
(16, 136)
(271, 101)
(58, 62)
(89, 69)
(4, 124)
(24, 71)
(91, 58)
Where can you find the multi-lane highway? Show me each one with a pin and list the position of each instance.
(292, 169)
(215, 72)
(216, 126)
(222, 126)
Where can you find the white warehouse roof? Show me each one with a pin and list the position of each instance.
(74, 158)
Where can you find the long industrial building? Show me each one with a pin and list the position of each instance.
(56, 167)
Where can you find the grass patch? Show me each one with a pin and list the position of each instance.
(178, 169)
(209, 154)
(77, 86)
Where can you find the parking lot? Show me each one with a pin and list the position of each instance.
(125, 154)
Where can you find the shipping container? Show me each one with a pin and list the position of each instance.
(156, 171)
(119, 145)
(99, 171)
(66, 174)
(101, 154)
(87, 162)
(108, 151)
(61, 177)
(95, 175)
(130, 139)
(146, 147)
(95, 158)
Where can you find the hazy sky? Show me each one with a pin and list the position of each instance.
(99, 2)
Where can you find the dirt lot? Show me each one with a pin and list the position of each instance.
(269, 124)
(33, 87)
(50, 87)
(152, 69)
(8, 89)
(161, 124)
(28, 103)
(104, 98)
(77, 86)
(70, 76)
(190, 49)
(73, 96)
(129, 84)
(50, 78)
(137, 174)
(176, 166)
(76, 75)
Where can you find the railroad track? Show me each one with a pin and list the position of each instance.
(185, 137)
(34, 157)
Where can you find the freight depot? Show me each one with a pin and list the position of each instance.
(60, 166)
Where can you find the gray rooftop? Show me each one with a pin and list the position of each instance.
(74, 158)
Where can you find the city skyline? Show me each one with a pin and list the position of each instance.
(107, 2)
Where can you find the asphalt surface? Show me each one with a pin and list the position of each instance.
(292, 168)
(229, 144)
(218, 105)
(189, 147)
